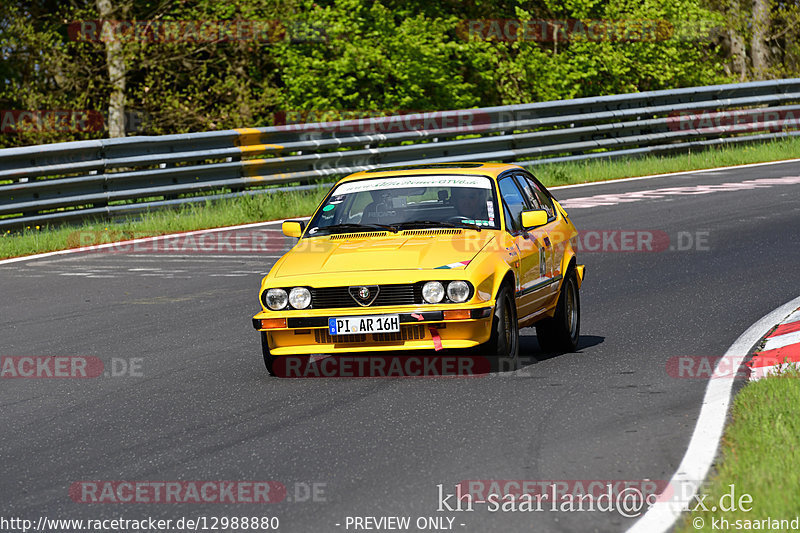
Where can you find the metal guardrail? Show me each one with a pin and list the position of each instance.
(76, 180)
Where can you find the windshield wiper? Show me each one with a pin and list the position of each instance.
(438, 223)
(358, 227)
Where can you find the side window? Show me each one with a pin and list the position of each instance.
(542, 196)
(528, 191)
(511, 224)
(514, 201)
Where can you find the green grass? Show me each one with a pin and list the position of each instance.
(289, 204)
(760, 456)
(188, 217)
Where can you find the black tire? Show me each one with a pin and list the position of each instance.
(269, 359)
(504, 341)
(561, 333)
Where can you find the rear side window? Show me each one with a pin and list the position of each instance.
(528, 191)
(542, 197)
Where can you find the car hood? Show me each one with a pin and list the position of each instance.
(340, 254)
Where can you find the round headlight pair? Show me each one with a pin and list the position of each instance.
(457, 291)
(277, 299)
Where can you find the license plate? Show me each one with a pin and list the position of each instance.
(349, 325)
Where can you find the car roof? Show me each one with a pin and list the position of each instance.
(461, 168)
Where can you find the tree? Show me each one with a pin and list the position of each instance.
(758, 44)
(202, 65)
(115, 63)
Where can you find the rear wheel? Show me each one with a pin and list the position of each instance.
(561, 333)
(504, 341)
(269, 359)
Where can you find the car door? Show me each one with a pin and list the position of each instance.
(551, 237)
(529, 274)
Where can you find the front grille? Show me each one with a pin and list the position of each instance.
(407, 333)
(323, 337)
(333, 297)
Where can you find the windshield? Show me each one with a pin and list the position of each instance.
(406, 202)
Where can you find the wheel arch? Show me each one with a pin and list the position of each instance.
(568, 263)
(503, 278)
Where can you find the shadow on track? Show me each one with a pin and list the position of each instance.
(418, 364)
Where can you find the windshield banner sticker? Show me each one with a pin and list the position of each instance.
(475, 182)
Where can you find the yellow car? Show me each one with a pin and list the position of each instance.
(426, 257)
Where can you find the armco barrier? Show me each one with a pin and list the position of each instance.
(75, 180)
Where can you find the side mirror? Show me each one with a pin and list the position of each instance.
(531, 219)
(293, 228)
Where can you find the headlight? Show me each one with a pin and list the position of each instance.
(458, 291)
(276, 299)
(300, 297)
(433, 292)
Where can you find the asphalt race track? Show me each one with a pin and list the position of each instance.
(192, 400)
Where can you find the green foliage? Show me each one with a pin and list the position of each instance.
(197, 86)
(347, 55)
(376, 60)
(641, 53)
(38, 71)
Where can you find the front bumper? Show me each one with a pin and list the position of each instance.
(419, 330)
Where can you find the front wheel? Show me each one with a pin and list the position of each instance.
(504, 341)
(561, 333)
(269, 359)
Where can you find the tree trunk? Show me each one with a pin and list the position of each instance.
(738, 54)
(115, 62)
(758, 45)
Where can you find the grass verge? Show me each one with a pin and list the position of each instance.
(760, 457)
(277, 205)
(188, 217)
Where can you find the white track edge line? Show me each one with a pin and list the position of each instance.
(702, 449)
(141, 240)
(682, 172)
